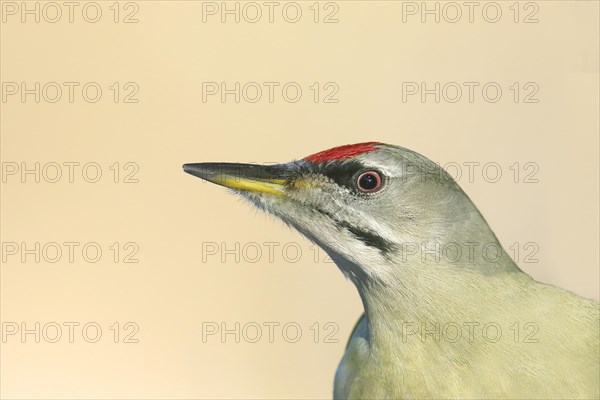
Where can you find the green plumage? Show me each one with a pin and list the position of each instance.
(547, 346)
(443, 318)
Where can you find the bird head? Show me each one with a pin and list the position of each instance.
(368, 205)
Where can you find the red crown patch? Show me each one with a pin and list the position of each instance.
(340, 152)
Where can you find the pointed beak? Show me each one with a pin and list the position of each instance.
(269, 179)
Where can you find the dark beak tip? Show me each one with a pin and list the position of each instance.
(195, 170)
(192, 168)
(218, 171)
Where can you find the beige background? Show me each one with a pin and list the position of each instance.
(170, 293)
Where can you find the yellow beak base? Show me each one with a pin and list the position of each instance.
(247, 177)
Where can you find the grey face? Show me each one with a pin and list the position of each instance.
(364, 209)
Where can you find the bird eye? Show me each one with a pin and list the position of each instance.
(369, 181)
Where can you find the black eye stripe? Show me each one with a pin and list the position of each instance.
(371, 239)
(342, 173)
(346, 173)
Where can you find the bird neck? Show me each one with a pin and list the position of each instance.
(429, 291)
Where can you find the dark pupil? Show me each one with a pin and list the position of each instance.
(368, 182)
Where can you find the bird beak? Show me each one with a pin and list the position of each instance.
(269, 179)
